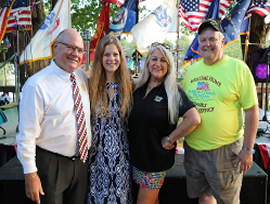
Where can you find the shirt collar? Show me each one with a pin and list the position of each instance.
(61, 73)
(160, 85)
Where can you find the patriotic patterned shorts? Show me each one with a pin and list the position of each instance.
(152, 180)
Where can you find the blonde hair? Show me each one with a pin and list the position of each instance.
(97, 81)
(170, 83)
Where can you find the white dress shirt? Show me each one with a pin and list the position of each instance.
(47, 114)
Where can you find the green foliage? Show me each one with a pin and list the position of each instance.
(84, 14)
(85, 17)
(47, 7)
(2, 49)
(183, 43)
(184, 30)
(267, 43)
(2, 77)
(7, 76)
(234, 50)
(128, 46)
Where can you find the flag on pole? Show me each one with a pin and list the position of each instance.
(4, 13)
(224, 4)
(118, 2)
(193, 53)
(233, 21)
(154, 27)
(173, 26)
(40, 46)
(261, 7)
(192, 12)
(125, 18)
(244, 29)
(20, 14)
(102, 26)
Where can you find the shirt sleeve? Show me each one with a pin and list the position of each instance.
(185, 103)
(248, 93)
(30, 118)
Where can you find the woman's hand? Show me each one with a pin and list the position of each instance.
(166, 144)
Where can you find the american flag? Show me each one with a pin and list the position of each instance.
(261, 7)
(20, 15)
(4, 13)
(192, 12)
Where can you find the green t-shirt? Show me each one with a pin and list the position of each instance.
(220, 93)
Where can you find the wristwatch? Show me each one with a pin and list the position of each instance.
(168, 140)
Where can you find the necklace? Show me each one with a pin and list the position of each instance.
(148, 89)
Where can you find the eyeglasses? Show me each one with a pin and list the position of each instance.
(72, 48)
(165, 45)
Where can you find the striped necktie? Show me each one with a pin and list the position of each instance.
(81, 121)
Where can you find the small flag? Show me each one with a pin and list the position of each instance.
(261, 7)
(125, 18)
(20, 14)
(4, 13)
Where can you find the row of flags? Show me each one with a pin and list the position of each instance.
(118, 2)
(191, 13)
(153, 28)
(234, 23)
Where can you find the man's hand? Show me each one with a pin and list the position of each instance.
(246, 159)
(33, 187)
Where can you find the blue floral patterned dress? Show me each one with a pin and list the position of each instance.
(110, 169)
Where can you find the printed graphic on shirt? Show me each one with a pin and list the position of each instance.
(202, 96)
(202, 86)
(206, 78)
(158, 99)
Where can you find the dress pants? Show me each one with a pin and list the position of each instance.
(64, 179)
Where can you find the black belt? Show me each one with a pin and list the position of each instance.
(74, 157)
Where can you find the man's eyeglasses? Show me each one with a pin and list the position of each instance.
(155, 44)
(72, 48)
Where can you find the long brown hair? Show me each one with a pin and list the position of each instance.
(97, 81)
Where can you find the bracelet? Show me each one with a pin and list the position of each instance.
(168, 140)
(249, 150)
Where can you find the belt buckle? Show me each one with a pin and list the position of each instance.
(73, 158)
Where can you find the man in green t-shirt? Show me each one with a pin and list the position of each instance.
(219, 150)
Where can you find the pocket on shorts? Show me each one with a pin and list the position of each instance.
(225, 166)
(226, 175)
